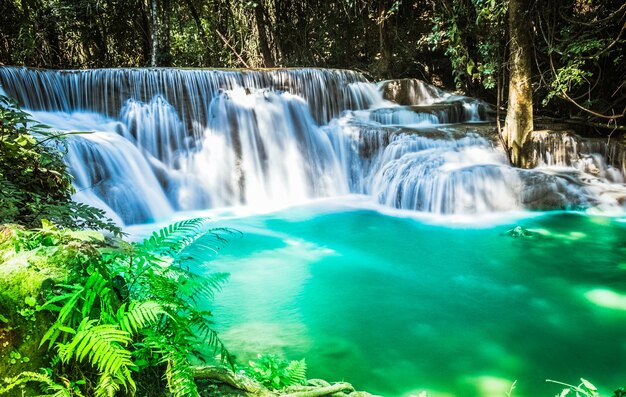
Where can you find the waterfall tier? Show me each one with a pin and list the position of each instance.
(327, 92)
(165, 140)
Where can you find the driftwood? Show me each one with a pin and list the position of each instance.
(248, 385)
(321, 391)
(224, 375)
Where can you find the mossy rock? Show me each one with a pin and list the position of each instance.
(24, 279)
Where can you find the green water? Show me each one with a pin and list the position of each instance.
(398, 305)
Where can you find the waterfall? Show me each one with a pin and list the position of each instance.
(263, 147)
(164, 140)
(327, 92)
(603, 158)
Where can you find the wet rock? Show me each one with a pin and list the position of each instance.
(542, 191)
(597, 156)
(519, 231)
(409, 91)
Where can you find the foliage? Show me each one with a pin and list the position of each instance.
(585, 388)
(40, 188)
(575, 47)
(220, 33)
(125, 308)
(50, 387)
(582, 60)
(276, 373)
(472, 33)
(578, 46)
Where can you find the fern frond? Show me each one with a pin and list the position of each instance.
(95, 287)
(202, 327)
(171, 239)
(101, 344)
(296, 372)
(139, 315)
(195, 287)
(65, 312)
(28, 376)
(107, 387)
(179, 374)
(109, 384)
(208, 244)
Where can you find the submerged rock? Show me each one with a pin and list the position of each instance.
(519, 231)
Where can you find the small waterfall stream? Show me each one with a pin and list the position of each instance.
(165, 140)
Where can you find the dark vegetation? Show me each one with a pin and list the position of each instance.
(558, 59)
(577, 46)
(34, 182)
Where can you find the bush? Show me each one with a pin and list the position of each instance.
(34, 182)
(276, 373)
(121, 310)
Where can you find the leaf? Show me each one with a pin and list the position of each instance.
(139, 315)
(67, 329)
(296, 372)
(589, 386)
(30, 301)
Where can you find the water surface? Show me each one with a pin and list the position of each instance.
(397, 305)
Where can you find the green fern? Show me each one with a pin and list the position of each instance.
(72, 313)
(139, 316)
(296, 372)
(197, 288)
(108, 386)
(50, 387)
(155, 322)
(170, 240)
(104, 347)
(179, 374)
(276, 373)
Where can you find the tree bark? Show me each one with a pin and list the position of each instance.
(383, 40)
(153, 33)
(165, 44)
(519, 115)
(259, 13)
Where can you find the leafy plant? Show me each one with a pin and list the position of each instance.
(585, 388)
(276, 373)
(471, 34)
(127, 306)
(40, 188)
(52, 388)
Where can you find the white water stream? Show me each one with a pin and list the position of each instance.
(167, 140)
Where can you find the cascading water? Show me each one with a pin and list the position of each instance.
(451, 299)
(166, 140)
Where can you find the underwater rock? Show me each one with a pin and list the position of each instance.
(519, 231)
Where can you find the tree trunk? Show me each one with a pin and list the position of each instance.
(143, 26)
(165, 44)
(153, 33)
(259, 13)
(383, 40)
(519, 115)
